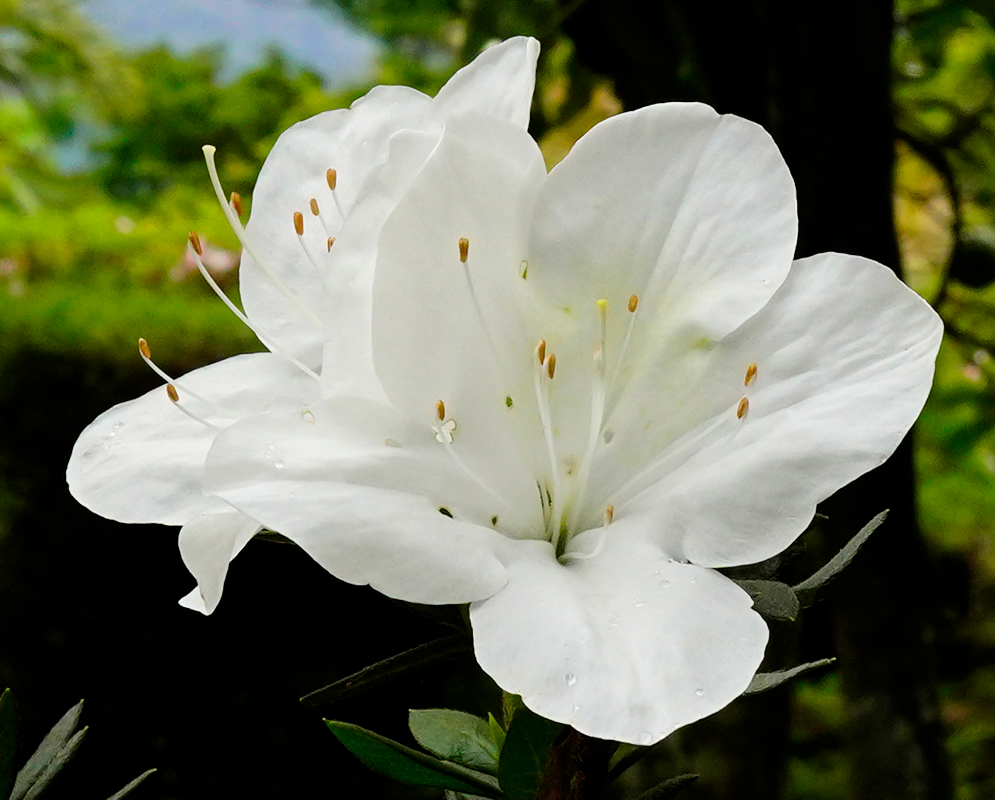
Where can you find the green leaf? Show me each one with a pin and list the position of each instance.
(455, 736)
(131, 786)
(765, 681)
(407, 765)
(54, 767)
(525, 753)
(383, 671)
(669, 788)
(773, 599)
(52, 754)
(497, 732)
(8, 743)
(807, 589)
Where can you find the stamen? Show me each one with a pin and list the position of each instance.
(195, 243)
(623, 352)
(542, 399)
(568, 556)
(440, 410)
(602, 322)
(332, 178)
(236, 226)
(751, 374)
(241, 316)
(523, 269)
(175, 397)
(608, 516)
(464, 250)
(464, 254)
(743, 409)
(235, 200)
(314, 207)
(299, 229)
(146, 353)
(331, 241)
(551, 365)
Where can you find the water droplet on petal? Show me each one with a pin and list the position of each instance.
(694, 579)
(118, 425)
(571, 679)
(576, 708)
(278, 464)
(699, 692)
(639, 603)
(646, 737)
(664, 584)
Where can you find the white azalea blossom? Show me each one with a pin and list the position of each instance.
(143, 461)
(563, 398)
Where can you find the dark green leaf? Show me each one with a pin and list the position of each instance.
(407, 765)
(525, 753)
(764, 681)
(455, 736)
(383, 671)
(131, 786)
(48, 753)
(8, 743)
(54, 767)
(669, 788)
(772, 599)
(807, 589)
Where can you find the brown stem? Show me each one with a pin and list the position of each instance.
(577, 768)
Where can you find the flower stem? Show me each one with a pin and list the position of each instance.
(577, 768)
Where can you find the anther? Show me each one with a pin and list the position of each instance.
(331, 241)
(314, 206)
(464, 250)
(236, 203)
(551, 365)
(524, 269)
(744, 407)
(332, 177)
(633, 303)
(173, 394)
(143, 348)
(195, 243)
(608, 516)
(445, 512)
(751, 374)
(541, 351)
(299, 223)
(440, 410)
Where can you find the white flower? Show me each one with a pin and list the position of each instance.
(143, 461)
(596, 386)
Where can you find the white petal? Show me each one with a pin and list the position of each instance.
(143, 460)
(361, 490)
(352, 141)
(208, 543)
(625, 646)
(436, 339)
(844, 354)
(498, 82)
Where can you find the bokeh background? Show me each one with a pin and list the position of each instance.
(886, 115)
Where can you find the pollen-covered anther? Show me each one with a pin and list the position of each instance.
(332, 177)
(314, 206)
(173, 394)
(236, 203)
(299, 223)
(751, 374)
(608, 516)
(194, 239)
(743, 408)
(633, 303)
(541, 351)
(464, 250)
(143, 348)
(440, 410)
(551, 365)
(331, 241)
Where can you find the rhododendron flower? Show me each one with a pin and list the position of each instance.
(143, 461)
(568, 398)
